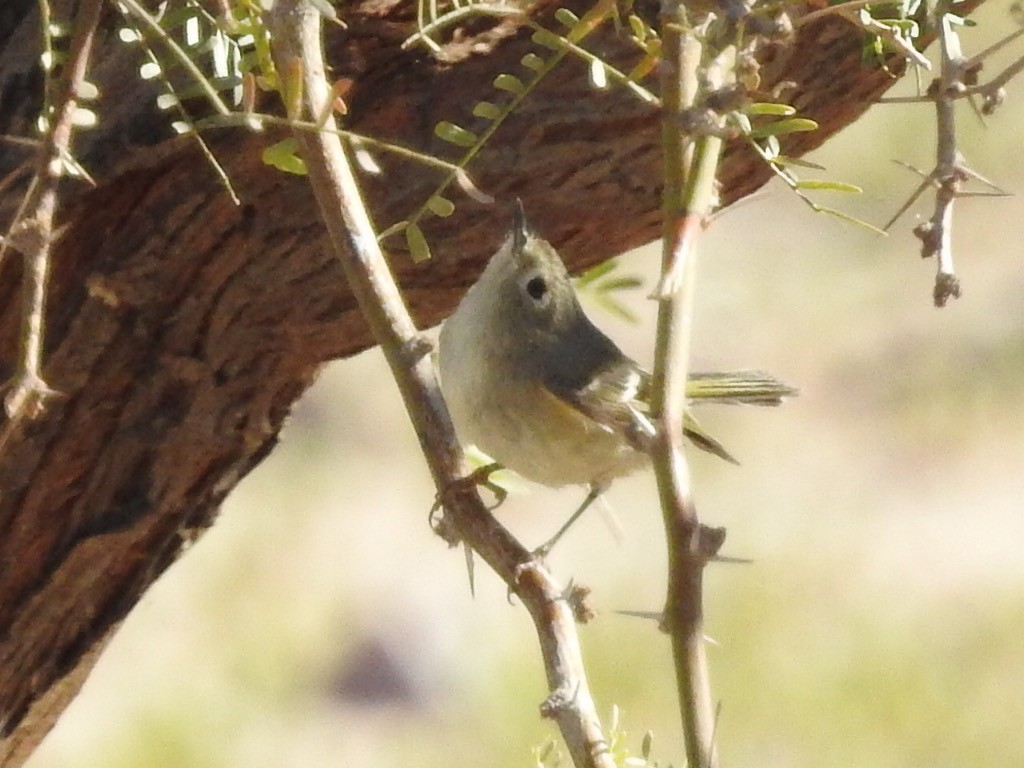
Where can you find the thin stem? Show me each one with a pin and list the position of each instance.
(687, 200)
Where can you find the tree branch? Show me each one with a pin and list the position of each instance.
(690, 166)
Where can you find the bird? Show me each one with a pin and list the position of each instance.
(534, 384)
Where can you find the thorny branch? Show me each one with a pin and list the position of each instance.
(957, 79)
(295, 27)
(690, 166)
(32, 232)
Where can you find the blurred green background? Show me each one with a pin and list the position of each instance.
(321, 623)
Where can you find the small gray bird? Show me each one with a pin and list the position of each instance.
(535, 385)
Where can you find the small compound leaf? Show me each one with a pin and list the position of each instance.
(546, 39)
(454, 134)
(768, 108)
(440, 206)
(84, 118)
(282, 156)
(510, 83)
(625, 282)
(487, 110)
(364, 159)
(830, 186)
(797, 163)
(87, 91)
(595, 273)
(149, 70)
(639, 28)
(417, 242)
(166, 101)
(567, 18)
(532, 61)
(782, 127)
(851, 219)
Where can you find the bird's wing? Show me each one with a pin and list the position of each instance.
(610, 398)
(616, 397)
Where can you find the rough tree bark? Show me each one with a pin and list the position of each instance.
(182, 328)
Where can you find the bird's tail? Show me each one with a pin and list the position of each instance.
(744, 387)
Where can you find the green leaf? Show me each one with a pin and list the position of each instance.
(548, 39)
(765, 108)
(567, 18)
(797, 163)
(283, 157)
(454, 134)
(851, 219)
(440, 206)
(595, 273)
(831, 186)
(417, 243)
(487, 110)
(638, 27)
(532, 61)
(621, 283)
(782, 127)
(510, 83)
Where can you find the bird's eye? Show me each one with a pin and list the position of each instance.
(537, 287)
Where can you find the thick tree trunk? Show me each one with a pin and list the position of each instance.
(181, 328)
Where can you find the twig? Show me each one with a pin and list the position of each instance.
(992, 91)
(936, 235)
(296, 33)
(956, 80)
(689, 172)
(32, 231)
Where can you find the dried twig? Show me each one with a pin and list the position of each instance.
(957, 79)
(296, 32)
